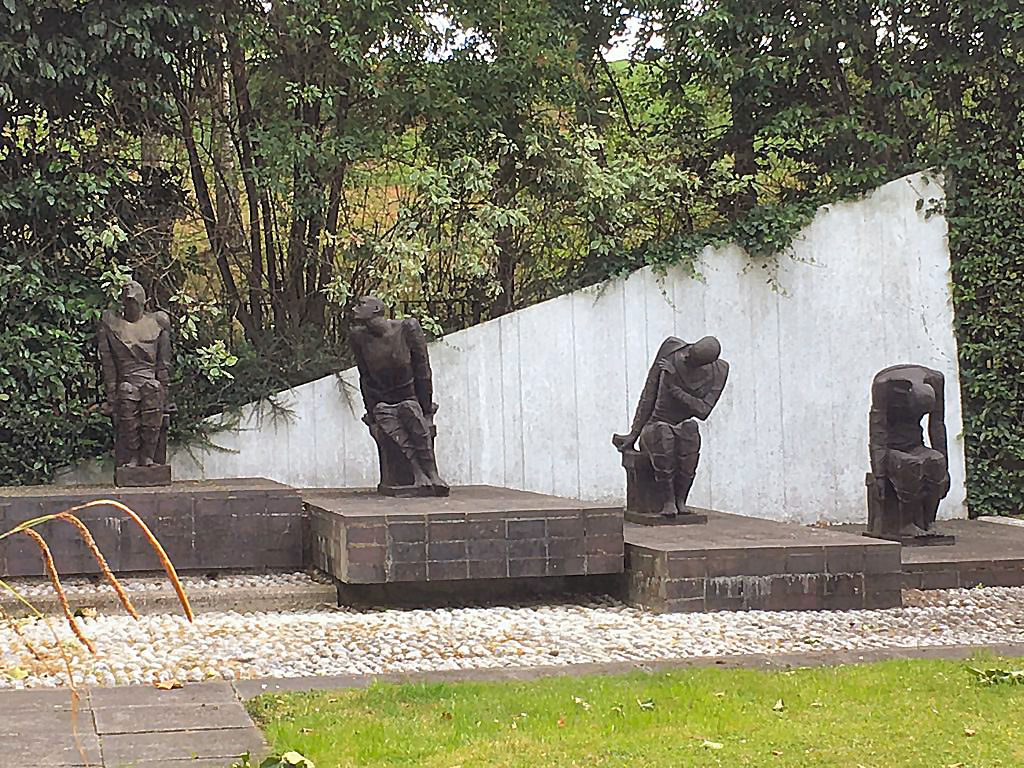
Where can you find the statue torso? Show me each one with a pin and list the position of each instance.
(696, 381)
(388, 363)
(135, 345)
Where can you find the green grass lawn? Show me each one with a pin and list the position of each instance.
(929, 714)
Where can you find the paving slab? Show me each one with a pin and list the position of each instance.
(40, 698)
(137, 695)
(50, 747)
(156, 718)
(17, 722)
(132, 748)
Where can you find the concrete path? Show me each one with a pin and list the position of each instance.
(203, 725)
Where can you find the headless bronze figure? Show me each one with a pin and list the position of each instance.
(397, 389)
(908, 479)
(135, 348)
(684, 383)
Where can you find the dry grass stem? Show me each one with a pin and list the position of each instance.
(9, 620)
(90, 542)
(51, 569)
(157, 547)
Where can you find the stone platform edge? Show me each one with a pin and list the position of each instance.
(777, 577)
(566, 539)
(243, 524)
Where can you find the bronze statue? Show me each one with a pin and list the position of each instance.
(684, 383)
(135, 350)
(397, 389)
(908, 479)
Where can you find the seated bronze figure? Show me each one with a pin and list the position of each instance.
(908, 479)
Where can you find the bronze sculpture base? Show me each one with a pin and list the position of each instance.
(412, 491)
(928, 540)
(653, 518)
(141, 477)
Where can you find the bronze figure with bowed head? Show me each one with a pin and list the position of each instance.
(908, 479)
(135, 351)
(397, 388)
(684, 383)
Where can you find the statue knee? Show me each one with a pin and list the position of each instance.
(152, 418)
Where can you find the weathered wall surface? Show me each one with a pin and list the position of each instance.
(530, 400)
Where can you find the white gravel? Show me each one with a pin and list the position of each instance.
(83, 586)
(295, 644)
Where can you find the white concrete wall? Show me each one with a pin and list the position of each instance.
(530, 400)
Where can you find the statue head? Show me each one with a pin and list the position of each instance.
(371, 313)
(133, 300)
(703, 352)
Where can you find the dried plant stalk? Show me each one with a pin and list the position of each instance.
(90, 542)
(51, 569)
(157, 547)
(9, 620)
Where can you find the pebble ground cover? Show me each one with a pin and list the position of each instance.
(347, 641)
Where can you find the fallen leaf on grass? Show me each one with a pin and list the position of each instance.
(969, 731)
(817, 704)
(561, 722)
(618, 710)
(167, 685)
(954, 765)
(580, 702)
(446, 715)
(779, 706)
(719, 694)
(776, 752)
(645, 704)
(305, 730)
(711, 744)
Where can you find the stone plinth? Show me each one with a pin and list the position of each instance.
(743, 563)
(250, 524)
(478, 532)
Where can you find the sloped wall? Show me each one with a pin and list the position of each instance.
(530, 400)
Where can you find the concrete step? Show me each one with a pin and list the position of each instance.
(154, 594)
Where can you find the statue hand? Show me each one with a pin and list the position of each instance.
(879, 487)
(666, 365)
(623, 442)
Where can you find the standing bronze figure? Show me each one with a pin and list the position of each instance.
(135, 349)
(908, 479)
(684, 383)
(397, 389)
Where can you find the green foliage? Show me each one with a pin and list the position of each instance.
(998, 676)
(260, 166)
(285, 760)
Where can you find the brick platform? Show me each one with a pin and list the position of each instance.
(985, 554)
(744, 563)
(479, 532)
(250, 524)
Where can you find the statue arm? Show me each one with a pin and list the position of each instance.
(422, 376)
(701, 406)
(878, 432)
(365, 387)
(163, 357)
(937, 418)
(648, 395)
(107, 362)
